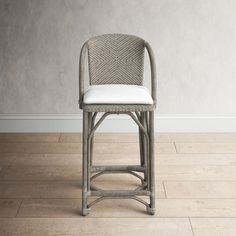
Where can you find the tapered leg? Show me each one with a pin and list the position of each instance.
(85, 209)
(151, 162)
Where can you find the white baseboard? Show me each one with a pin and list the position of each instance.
(115, 123)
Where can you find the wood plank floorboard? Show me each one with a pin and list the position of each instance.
(194, 173)
(73, 173)
(29, 137)
(95, 226)
(200, 189)
(62, 189)
(214, 226)
(167, 208)
(209, 148)
(37, 189)
(68, 148)
(196, 159)
(27, 159)
(9, 207)
(40, 173)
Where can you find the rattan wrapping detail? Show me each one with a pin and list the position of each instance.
(117, 107)
(116, 59)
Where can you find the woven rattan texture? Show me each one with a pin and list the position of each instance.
(117, 107)
(116, 59)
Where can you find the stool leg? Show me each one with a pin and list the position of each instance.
(89, 148)
(85, 209)
(151, 163)
(144, 146)
(92, 139)
(141, 142)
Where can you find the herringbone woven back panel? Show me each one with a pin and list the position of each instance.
(116, 59)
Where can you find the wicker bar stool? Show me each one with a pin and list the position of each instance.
(116, 63)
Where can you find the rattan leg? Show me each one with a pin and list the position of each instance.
(89, 147)
(141, 142)
(85, 209)
(92, 138)
(145, 147)
(151, 210)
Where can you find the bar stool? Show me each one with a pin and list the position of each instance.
(116, 64)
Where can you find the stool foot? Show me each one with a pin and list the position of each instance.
(151, 211)
(85, 211)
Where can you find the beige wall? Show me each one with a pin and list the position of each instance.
(194, 42)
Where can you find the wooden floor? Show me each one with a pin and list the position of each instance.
(40, 186)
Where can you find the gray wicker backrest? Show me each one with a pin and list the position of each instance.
(116, 59)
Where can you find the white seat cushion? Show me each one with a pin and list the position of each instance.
(117, 94)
